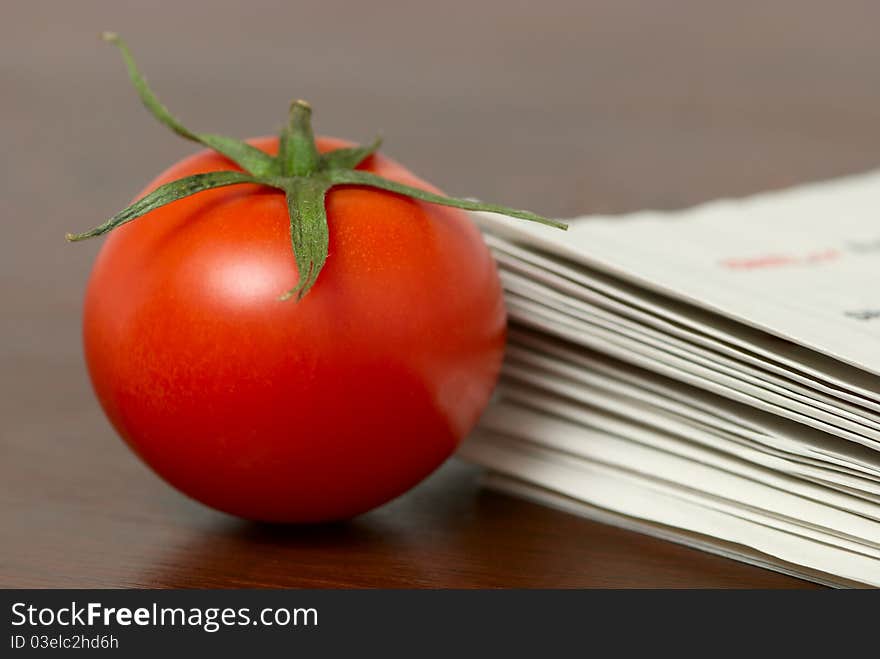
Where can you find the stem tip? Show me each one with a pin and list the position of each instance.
(110, 37)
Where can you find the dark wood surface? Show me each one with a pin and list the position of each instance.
(564, 107)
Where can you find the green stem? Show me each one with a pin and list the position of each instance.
(352, 177)
(299, 170)
(164, 195)
(248, 157)
(299, 155)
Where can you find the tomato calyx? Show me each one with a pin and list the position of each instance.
(299, 170)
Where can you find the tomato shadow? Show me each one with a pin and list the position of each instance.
(409, 542)
(314, 534)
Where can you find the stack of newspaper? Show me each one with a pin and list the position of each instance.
(710, 376)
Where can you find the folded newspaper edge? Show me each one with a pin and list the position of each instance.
(739, 339)
(709, 544)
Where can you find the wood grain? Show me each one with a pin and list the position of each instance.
(565, 108)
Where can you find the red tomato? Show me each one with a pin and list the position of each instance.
(294, 411)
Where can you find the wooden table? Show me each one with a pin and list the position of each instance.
(564, 107)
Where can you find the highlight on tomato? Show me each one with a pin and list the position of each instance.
(294, 329)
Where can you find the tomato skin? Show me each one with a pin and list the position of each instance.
(291, 411)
